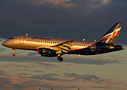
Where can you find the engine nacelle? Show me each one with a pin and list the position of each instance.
(47, 52)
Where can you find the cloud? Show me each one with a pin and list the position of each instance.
(34, 78)
(21, 65)
(4, 83)
(22, 74)
(97, 60)
(119, 56)
(1, 40)
(36, 71)
(105, 87)
(3, 72)
(95, 81)
(123, 1)
(71, 59)
(51, 77)
(82, 77)
(56, 3)
(18, 83)
(82, 17)
(71, 3)
(109, 84)
(3, 49)
(32, 54)
(106, 1)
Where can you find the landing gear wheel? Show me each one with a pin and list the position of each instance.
(60, 58)
(13, 55)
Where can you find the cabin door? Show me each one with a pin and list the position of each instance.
(21, 40)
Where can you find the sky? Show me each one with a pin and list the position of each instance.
(67, 19)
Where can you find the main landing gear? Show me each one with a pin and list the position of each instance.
(14, 53)
(60, 58)
(59, 53)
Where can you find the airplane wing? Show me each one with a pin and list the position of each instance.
(65, 46)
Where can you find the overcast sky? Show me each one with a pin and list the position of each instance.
(68, 19)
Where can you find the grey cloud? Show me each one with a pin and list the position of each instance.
(2, 72)
(32, 53)
(92, 61)
(46, 76)
(3, 49)
(41, 61)
(37, 84)
(47, 65)
(122, 1)
(105, 87)
(82, 77)
(19, 65)
(22, 74)
(3, 82)
(20, 17)
(28, 60)
(48, 86)
(33, 70)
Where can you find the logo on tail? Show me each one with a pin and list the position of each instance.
(112, 35)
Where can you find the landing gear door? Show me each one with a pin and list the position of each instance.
(21, 40)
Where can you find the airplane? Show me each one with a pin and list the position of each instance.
(56, 47)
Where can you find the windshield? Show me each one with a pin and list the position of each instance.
(12, 38)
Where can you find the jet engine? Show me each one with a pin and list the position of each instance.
(47, 52)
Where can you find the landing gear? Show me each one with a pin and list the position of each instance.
(59, 53)
(60, 58)
(14, 53)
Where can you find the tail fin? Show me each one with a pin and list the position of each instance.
(112, 35)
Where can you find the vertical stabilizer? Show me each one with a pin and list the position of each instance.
(112, 35)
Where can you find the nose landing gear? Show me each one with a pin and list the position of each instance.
(14, 53)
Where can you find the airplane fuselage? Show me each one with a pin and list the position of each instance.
(34, 42)
(77, 47)
(50, 47)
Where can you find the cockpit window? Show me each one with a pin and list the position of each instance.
(12, 38)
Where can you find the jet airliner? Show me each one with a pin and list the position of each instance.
(51, 47)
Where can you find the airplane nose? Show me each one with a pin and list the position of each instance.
(4, 43)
